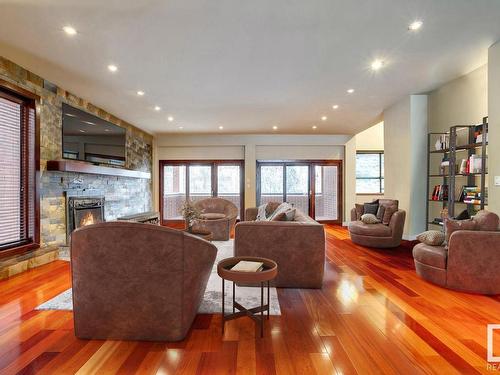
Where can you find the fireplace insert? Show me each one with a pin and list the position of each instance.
(84, 211)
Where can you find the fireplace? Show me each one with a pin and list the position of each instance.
(84, 211)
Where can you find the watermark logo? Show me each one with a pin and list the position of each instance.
(489, 336)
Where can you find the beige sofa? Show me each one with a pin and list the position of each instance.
(378, 235)
(134, 281)
(298, 247)
(470, 263)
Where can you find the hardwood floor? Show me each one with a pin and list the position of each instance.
(373, 315)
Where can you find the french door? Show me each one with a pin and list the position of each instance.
(314, 187)
(196, 180)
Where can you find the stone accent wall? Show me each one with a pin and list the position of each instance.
(123, 195)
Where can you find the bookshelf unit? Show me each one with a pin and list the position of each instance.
(457, 163)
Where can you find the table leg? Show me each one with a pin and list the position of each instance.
(234, 294)
(268, 300)
(261, 309)
(223, 292)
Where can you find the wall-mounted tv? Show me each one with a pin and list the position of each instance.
(89, 138)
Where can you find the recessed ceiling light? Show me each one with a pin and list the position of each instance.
(69, 30)
(170, 118)
(181, 127)
(315, 127)
(82, 131)
(89, 122)
(140, 93)
(324, 118)
(275, 127)
(107, 130)
(377, 64)
(112, 68)
(157, 108)
(221, 127)
(71, 115)
(336, 106)
(415, 25)
(350, 91)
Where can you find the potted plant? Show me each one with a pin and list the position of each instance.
(190, 213)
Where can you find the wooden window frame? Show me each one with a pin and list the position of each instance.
(9, 91)
(210, 162)
(380, 178)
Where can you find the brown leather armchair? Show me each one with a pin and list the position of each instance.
(135, 281)
(218, 216)
(470, 263)
(378, 235)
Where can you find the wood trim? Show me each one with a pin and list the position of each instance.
(85, 167)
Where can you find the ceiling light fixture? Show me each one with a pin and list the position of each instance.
(170, 118)
(314, 127)
(324, 118)
(350, 91)
(69, 30)
(415, 25)
(275, 127)
(157, 108)
(336, 106)
(377, 64)
(107, 130)
(82, 131)
(112, 68)
(221, 127)
(140, 93)
(181, 127)
(89, 122)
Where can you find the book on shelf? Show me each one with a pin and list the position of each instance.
(440, 193)
(479, 134)
(473, 195)
(248, 266)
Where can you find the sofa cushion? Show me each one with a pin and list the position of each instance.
(431, 237)
(388, 212)
(369, 219)
(375, 230)
(380, 213)
(212, 216)
(451, 226)
(434, 256)
(371, 208)
(487, 221)
(360, 210)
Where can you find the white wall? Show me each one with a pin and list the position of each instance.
(494, 126)
(250, 148)
(371, 139)
(405, 137)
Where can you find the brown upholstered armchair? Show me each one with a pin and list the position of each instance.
(135, 281)
(218, 216)
(471, 261)
(379, 235)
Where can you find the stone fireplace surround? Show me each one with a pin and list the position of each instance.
(123, 195)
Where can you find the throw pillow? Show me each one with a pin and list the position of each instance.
(431, 237)
(389, 211)
(283, 207)
(279, 217)
(463, 215)
(369, 219)
(360, 210)
(271, 207)
(290, 214)
(380, 213)
(486, 221)
(451, 226)
(371, 208)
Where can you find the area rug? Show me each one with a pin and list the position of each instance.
(212, 300)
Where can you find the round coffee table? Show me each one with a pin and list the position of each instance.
(269, 272)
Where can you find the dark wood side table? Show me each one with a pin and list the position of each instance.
(268, 273)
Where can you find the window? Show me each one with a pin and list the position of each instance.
(370, 172)
(18, 164)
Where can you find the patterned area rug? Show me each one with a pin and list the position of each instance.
(212, 300)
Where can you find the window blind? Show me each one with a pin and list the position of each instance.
(17, 172)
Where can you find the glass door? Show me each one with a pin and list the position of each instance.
(297, 186)
(271, 184)
(326, 192)
(196, 180)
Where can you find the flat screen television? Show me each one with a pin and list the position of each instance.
(89, 138)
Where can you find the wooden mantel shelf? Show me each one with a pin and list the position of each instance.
(83, 167)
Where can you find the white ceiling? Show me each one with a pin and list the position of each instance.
(250, 64)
